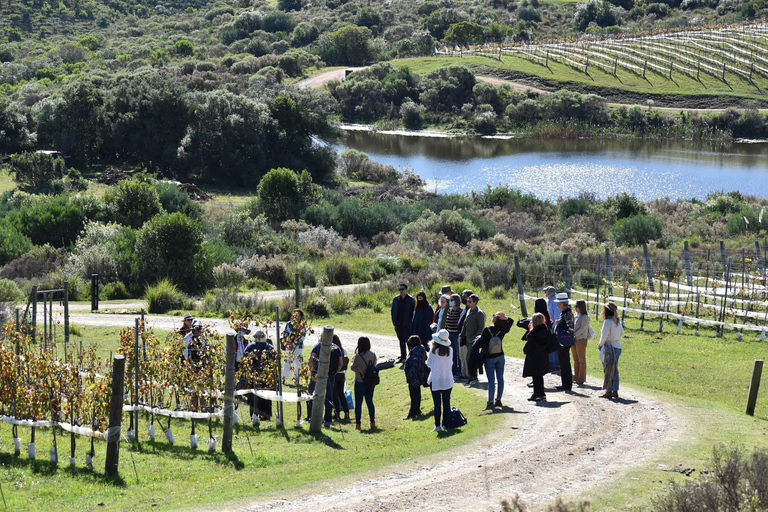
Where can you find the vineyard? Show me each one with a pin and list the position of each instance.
(721, 53)
(40, 389)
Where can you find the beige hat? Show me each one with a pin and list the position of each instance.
(442, 338)
(562, 297)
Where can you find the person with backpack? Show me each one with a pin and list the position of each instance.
(415, 374)
(363, 359)
(492, 355)
(335, 363)
(536, 363)
(440, 380)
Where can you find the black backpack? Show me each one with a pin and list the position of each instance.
(455, 419)
(371, 376)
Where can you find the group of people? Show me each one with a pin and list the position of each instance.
(553, 334)
(439, 347)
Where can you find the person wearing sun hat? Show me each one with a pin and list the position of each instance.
(566, 323)
(186, 325)
(440, 380)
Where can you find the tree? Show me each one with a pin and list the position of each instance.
(36, 171)
(438, 21)
(183, 47)
(447, 88)
(12, 243)
(305, 33)
(464, 32)
(15, 128)
(350, 45)
(169, 246)
(284, 193)
(132, 203)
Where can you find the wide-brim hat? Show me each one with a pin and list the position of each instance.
(446, 289)
(244, 330)
(562, 297)
(188, 317)
(442, 338)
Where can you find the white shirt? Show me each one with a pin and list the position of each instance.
(611, 333)
(441, 376)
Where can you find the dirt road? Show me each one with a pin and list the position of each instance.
(562, 447)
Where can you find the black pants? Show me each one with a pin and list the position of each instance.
(415, 392)
(564, 356)
(403, 333)
(338, 393)
(260, 406)
(442, 398)
(538, 386)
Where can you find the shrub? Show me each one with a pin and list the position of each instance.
(412, 114)
(132, 203)
(163, 297)
(10, 293)
(271, 270)
(36, 263)
(306, 273)
(323, 238)
(317, 307)
(173, 200)
(12, 243)
(35, 172)
(494, 273)
(338, 271)
(636, 230)
(228, 276)
(625, 205)
(363, 300)
(56, 220)
(340, 303)
(115, 291)
(283, 193)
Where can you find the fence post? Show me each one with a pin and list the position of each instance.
(648, 267)
(115, 416)
(567, 275)
(754, 386)
(297, 291)
(318, 401)
(229, 394)
(66, 315)
(34, 314)
(688, 274)
(608, 271)
(280, 348)
(722, 256)
(136, 375)
(520, 294)
(94, 292)
(760, 262)
(597, 285)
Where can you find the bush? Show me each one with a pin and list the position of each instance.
(12, 243)
(36, 263)
(10, 293)
(228, 276)
(173, 200)
(340, 303)
(163, 297)
(625, 205)
(271, 270)
(317, 307)
(736, 481)
(637, 230)
(132, 203)
(494, 273)
(283, 193)
(36, 172)
(306, 274)
(338, 271)
(56, 220)
(115, 291)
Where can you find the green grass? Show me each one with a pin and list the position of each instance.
(654, 85)
(265, 461)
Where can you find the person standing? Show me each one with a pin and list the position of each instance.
(186, 324)
(294, 334)
(364, 357)
(415, 375)
(610, 349)
(402, 313)
(566, 324)
(440, 380)
(339, 398)
(261, 354)
(554, 314)
(492, 353)
(581, 335)
(474, 323)
(334, 365)
(536, 363)
(452, 326)
(422, 318)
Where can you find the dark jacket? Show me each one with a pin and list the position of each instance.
(422, 319)
(488, 333)
(415, 363)
(263, 353)
(535, 349)
(404, 319)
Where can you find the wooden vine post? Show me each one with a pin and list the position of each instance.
(229, 394)
(321, 384)
(754, 386)
(115, 416)
(520, 294)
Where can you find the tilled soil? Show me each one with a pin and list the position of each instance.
(561, 447)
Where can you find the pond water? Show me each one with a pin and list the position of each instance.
(553, 168)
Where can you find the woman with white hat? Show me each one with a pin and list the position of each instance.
(440, 380)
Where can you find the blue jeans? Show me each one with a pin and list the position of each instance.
(454, 337)
(554, 362)
(616, 354)
(494, 370)
(364, 392)
(442, 402)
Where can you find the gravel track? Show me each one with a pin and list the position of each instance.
(562, 447)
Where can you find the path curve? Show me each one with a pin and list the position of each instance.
(572, 442)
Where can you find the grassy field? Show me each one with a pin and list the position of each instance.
(559, 75)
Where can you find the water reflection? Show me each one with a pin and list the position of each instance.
(552, 168)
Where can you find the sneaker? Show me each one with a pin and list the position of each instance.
(472, 382)
(530, 384)
(497, 403)
(541, 398)
(327, 424)
(438, 429)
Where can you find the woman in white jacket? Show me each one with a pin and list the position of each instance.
(610, 350)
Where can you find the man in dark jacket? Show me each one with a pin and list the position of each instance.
(402, 314)
(261, 354)
(474, 323)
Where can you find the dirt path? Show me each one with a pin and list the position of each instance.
(561, 447)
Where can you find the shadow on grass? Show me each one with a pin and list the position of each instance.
(181, 452)
(47, 468)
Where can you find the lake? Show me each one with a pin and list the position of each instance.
(553, 168)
